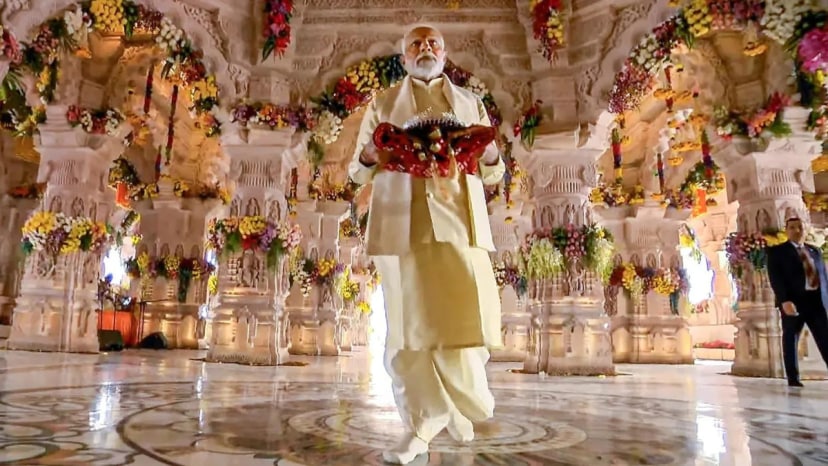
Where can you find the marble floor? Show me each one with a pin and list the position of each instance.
(170, 408)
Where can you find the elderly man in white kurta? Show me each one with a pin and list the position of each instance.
(430, 239)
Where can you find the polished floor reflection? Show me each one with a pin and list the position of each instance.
(170, 408)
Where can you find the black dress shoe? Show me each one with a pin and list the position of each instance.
(795, 383)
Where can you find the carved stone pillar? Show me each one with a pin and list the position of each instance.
(767, 180)
(646, 330)
(172, 226)
(247, 314)
(18, 198)
(572, 336)
(315, 318)
(56, 309)
(509, 225)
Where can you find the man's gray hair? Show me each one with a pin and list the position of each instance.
(404, 42)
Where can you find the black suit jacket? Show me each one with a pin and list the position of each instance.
(787, 274)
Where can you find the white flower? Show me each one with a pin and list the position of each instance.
(328, 127)
(782, 16)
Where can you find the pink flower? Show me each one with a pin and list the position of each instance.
(813, 50)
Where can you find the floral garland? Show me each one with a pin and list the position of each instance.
(547, 26)
(324, 190)
(9, 47)
(746, 250)
(547, 253)
(511, 275)
(786, 22)
(276, 27)
(528, 123)
(638, 281)
(615, 195)
(169, 267)
(261, 114)
(815, 202)
(308, 272)
(819, 238)
(27, 191)
(766, 120)
(102, 121)
(364, 307)
(346, 288)
(123, 173)
(183, 64)
(56, 233)
(704, 177)
(234, 234)
(688, 241)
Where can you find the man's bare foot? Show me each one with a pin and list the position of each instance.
(461, 429)
(410, 447)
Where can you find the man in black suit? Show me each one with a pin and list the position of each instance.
(797, 276)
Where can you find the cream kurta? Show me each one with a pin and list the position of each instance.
(439, 288)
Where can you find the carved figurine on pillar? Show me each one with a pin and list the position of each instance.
(565, 274)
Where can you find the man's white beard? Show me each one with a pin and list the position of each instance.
(425, 67)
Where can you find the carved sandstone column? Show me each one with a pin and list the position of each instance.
(174, 227)
(648, 329)
(56, 309)
(767, 179)
(573, 335)
(509, 225)
(246, 316)
(314, 315)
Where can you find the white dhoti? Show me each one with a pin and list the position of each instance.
(443, 311)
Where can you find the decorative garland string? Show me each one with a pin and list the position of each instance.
(706, 158)
(616, 155)
(148, 90)
(660, 171)
(171, 125)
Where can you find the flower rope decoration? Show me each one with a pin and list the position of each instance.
(528, 123)
(232, 235)
(56, 233)
(346, 288)
(747, 251)
(545, 254)
(183, 64)
(548, 26)
(764, 121)
(309, 273)
(277, 15)
(510, 275)
(790, 23)
(171, 267)
(638, 281)
(100, 121)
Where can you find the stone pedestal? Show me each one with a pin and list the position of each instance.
(247, 315)
(56, 309)
(642, 339)
(315, 323)
(767, 180)
(572, 333)
(58, 296)
(172, 226)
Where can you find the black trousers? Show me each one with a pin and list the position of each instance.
(811, 313)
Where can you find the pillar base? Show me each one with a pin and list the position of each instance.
(641, 339)
(178, 322)
(515, 330)
(573, 339)
(246, 330)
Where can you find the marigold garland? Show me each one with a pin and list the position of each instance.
(548, 26)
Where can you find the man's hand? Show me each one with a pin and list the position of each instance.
(371, 155)
(490, 156)
(789, 309)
